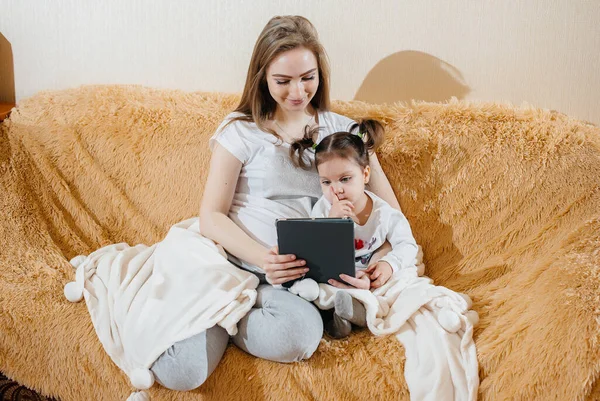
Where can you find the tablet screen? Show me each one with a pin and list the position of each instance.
(327, 245)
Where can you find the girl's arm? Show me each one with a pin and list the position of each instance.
(404, 247)
(380, 185)
(216, 225)
(402, 251)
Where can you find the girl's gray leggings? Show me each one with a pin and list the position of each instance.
(281, 327)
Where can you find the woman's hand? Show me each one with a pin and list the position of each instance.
(280, 269)
(340, 208)
(361, 281)
(379, 273)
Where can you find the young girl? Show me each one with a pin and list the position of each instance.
(342, 161)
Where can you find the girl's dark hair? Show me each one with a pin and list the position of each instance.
(346, 144)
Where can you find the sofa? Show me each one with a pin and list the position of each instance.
(504, 200)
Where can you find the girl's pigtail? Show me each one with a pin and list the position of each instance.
(297, 148)
(372, 133)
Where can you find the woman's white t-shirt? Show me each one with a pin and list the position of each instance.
(270, 186)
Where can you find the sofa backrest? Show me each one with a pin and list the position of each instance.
(106, 164)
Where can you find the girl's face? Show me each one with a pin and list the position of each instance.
(345, 176)
(293, 79)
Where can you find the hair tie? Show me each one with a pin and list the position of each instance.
(361, 135)
(314, 146)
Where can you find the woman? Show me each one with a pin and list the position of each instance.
(252, 181)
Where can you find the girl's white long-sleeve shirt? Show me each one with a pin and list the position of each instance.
(384, 223)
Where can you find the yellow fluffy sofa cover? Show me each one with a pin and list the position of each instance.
(505, 202)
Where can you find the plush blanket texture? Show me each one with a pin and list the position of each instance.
(504, 201)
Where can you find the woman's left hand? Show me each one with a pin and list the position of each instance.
(361, 281)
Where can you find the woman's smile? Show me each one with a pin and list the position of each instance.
(297, 102)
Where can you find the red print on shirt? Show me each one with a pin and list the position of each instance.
(358, 244)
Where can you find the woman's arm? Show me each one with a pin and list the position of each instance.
(216, 225)
(216, 200)
(379, 183)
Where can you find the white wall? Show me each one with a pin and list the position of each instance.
(543, 52)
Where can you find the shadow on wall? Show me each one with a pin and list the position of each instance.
(7, 72)
(409, 75)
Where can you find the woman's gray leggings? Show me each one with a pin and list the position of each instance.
(281, 327)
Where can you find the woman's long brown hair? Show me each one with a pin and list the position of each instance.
(281, 34)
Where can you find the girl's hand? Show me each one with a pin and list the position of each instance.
(280, 269)
(340, 208)
(379, 273)
(361, 281)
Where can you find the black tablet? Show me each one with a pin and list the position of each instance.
(327, 245)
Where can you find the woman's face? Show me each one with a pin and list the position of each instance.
(346, 177)
(293, 79)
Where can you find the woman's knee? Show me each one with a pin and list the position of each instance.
(284, 327)
(188, 363)
(305, 342)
